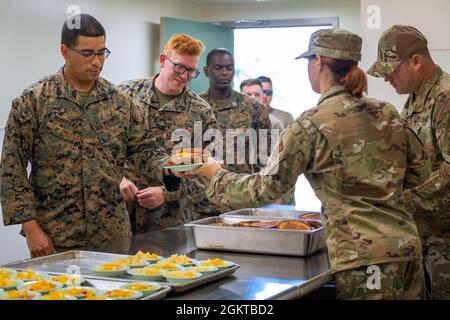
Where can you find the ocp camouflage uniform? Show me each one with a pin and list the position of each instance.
(428, 114)
(238, 112)
(354, 152)
(180, 113)
(77, 155)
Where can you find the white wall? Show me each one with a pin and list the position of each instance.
(346, 10)
(430, 17)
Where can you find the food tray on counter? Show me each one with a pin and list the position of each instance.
(256, 240)
(86, 260)
(269, 213)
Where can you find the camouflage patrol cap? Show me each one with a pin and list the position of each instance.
(334, 43)
(397, 44)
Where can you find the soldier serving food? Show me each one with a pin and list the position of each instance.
(359, 155)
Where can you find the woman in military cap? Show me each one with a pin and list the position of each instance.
(358, 156)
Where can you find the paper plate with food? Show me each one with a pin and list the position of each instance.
(7, 273)
(185, 160)
(217, 262)
(78, 292)
(146, 273)
(181, 276)
(182, 260)
(145, 287)
(30, 275)
(19, 295)
(10, 283)
(149, 257)
(41, 286)
(69, 280)
(110, 269)
(123, 294)
(133, 262)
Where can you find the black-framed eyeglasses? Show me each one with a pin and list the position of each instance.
(180, 69)
(268, 92)
(90, 54)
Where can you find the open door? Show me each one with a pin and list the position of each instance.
(211, 35)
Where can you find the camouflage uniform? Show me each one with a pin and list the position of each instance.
(77, 155)
(428, 114)
(180, 113)
(358, 155)
(238, 112)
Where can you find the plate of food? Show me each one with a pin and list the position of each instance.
(41, 286)
(19, 295)
(184, 160)
(30, 275)
(145, 287)
(122, 294)
(69, 280)
(203, 269)
(110, 269)
(218, 263)
(7, 273)
(168, 266)
(55, 295)
(181, 276)
(133, 262)
(146, 273)
(182, 260)
(78, 292)
(9, 283)
(147, 256)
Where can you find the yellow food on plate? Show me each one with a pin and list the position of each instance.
(65, 279)
(6, 273)
(141, 287)
(55, 295)
(79, 291)
(95, 298)
(28, 274)
(166, 265)
(214, 263)
(181, 274)
(112, 266)
(146, 256)
(7, 282)
(150, 271)
(203, 268)
(41, 285)
(119, 293)
(18, 294)
(179, 259)
(131, 261)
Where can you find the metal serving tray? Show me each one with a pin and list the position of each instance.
(85, 260)
(267, 213)
(258, 240)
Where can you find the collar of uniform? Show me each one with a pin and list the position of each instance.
(418, 99)
(149, 97)
(333, 91)
(233, 100)
(100, 91)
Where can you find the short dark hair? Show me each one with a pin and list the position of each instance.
(88, 27)
(250, 82)
(264, 79)
(217, 51)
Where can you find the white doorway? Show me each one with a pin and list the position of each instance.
(271, 52)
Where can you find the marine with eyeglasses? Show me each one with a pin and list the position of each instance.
(76, 130)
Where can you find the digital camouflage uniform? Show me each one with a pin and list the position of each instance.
(77, 157)
(428, 114)
(238, 112)
(358, 155)
(183, 112)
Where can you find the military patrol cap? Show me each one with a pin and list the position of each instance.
(397, 44)
(334, 43)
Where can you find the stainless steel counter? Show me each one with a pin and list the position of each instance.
(259, 277)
